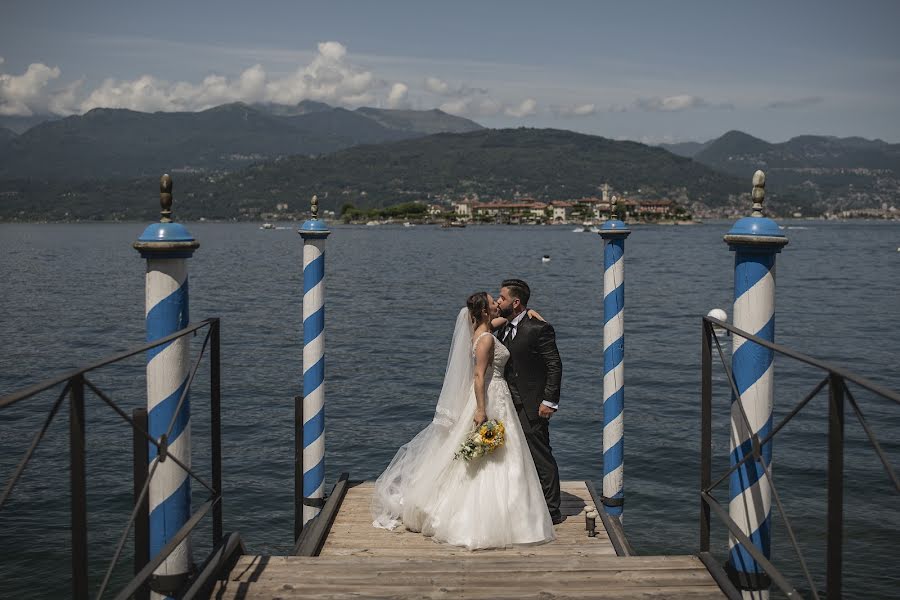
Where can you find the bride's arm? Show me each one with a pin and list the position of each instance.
(498, 323)
(483, 359)
(533, 314)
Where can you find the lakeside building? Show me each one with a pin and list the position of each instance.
(586, 209)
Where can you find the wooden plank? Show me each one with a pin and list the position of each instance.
(475, 558)
(352, 531)
(362, 561)
(243, 591)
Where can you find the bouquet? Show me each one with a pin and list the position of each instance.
(482, 440)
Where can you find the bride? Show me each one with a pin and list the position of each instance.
(494, 501)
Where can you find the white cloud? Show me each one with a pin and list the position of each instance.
(581, 110)
(437, 86)
(28, 94)
(463, 100)
(398, 96)
(674, 104)
(327, 77)
(525, 108)
(472, 107)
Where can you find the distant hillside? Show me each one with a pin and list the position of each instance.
(688, 149)
(23, 124)
(813, 174)
(115, 143)
(6, 135)
(537, 163)
(427, 121)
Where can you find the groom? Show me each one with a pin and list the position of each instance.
(534, 373)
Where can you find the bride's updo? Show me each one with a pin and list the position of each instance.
(477, 305)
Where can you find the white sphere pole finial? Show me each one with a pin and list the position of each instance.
(718, 313)
(759, 193)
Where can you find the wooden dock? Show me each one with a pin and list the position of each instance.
(357, 560)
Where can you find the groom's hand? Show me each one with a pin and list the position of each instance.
(545, 412)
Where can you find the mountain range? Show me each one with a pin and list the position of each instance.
(811, 173)
(546, 164)
(250, 157)
(110, 143)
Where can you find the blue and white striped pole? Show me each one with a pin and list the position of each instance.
(314, 232)
(166, 246)
(755, 241)
(613, 233)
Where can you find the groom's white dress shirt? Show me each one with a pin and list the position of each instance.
(511, 333)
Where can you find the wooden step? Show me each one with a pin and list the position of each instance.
(482, 575)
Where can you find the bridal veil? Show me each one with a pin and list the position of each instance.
(408, 477)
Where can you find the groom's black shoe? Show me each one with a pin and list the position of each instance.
(557, 519)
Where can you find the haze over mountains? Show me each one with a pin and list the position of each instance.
(243, 154)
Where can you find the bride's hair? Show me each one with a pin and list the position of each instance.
(477, 304)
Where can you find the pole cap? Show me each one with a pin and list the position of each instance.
(756, 231)
(613, 228)
(166, 239)
(313, 227)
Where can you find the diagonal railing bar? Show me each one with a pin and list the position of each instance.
(75, 382)
(861, 381)
(159, 445)
(734, 388)
(754, 437)
(757, 555)
(124, 538)
(756, 454)
(787, 523)
(187, 388)
(34, 444)
(151, 566)
(53, 381)
(709, 501)
(775, 430)
(878, 450)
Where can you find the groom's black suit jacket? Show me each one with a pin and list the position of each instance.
(534, 369)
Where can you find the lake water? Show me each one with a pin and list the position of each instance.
(75, 293)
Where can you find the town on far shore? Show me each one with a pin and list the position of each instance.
(585, 211)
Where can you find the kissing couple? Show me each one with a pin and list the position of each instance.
(503, 365)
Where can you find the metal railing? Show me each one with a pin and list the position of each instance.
(74, 385)
(839, 393)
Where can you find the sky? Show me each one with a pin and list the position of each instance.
(650, 71)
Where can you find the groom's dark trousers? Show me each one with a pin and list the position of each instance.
(534, 374)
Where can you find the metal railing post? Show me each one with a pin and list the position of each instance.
(705, 431)
(79, 489)
(215, 424)
(834, 558)
(141, 521)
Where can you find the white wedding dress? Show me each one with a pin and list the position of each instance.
(494, 501)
